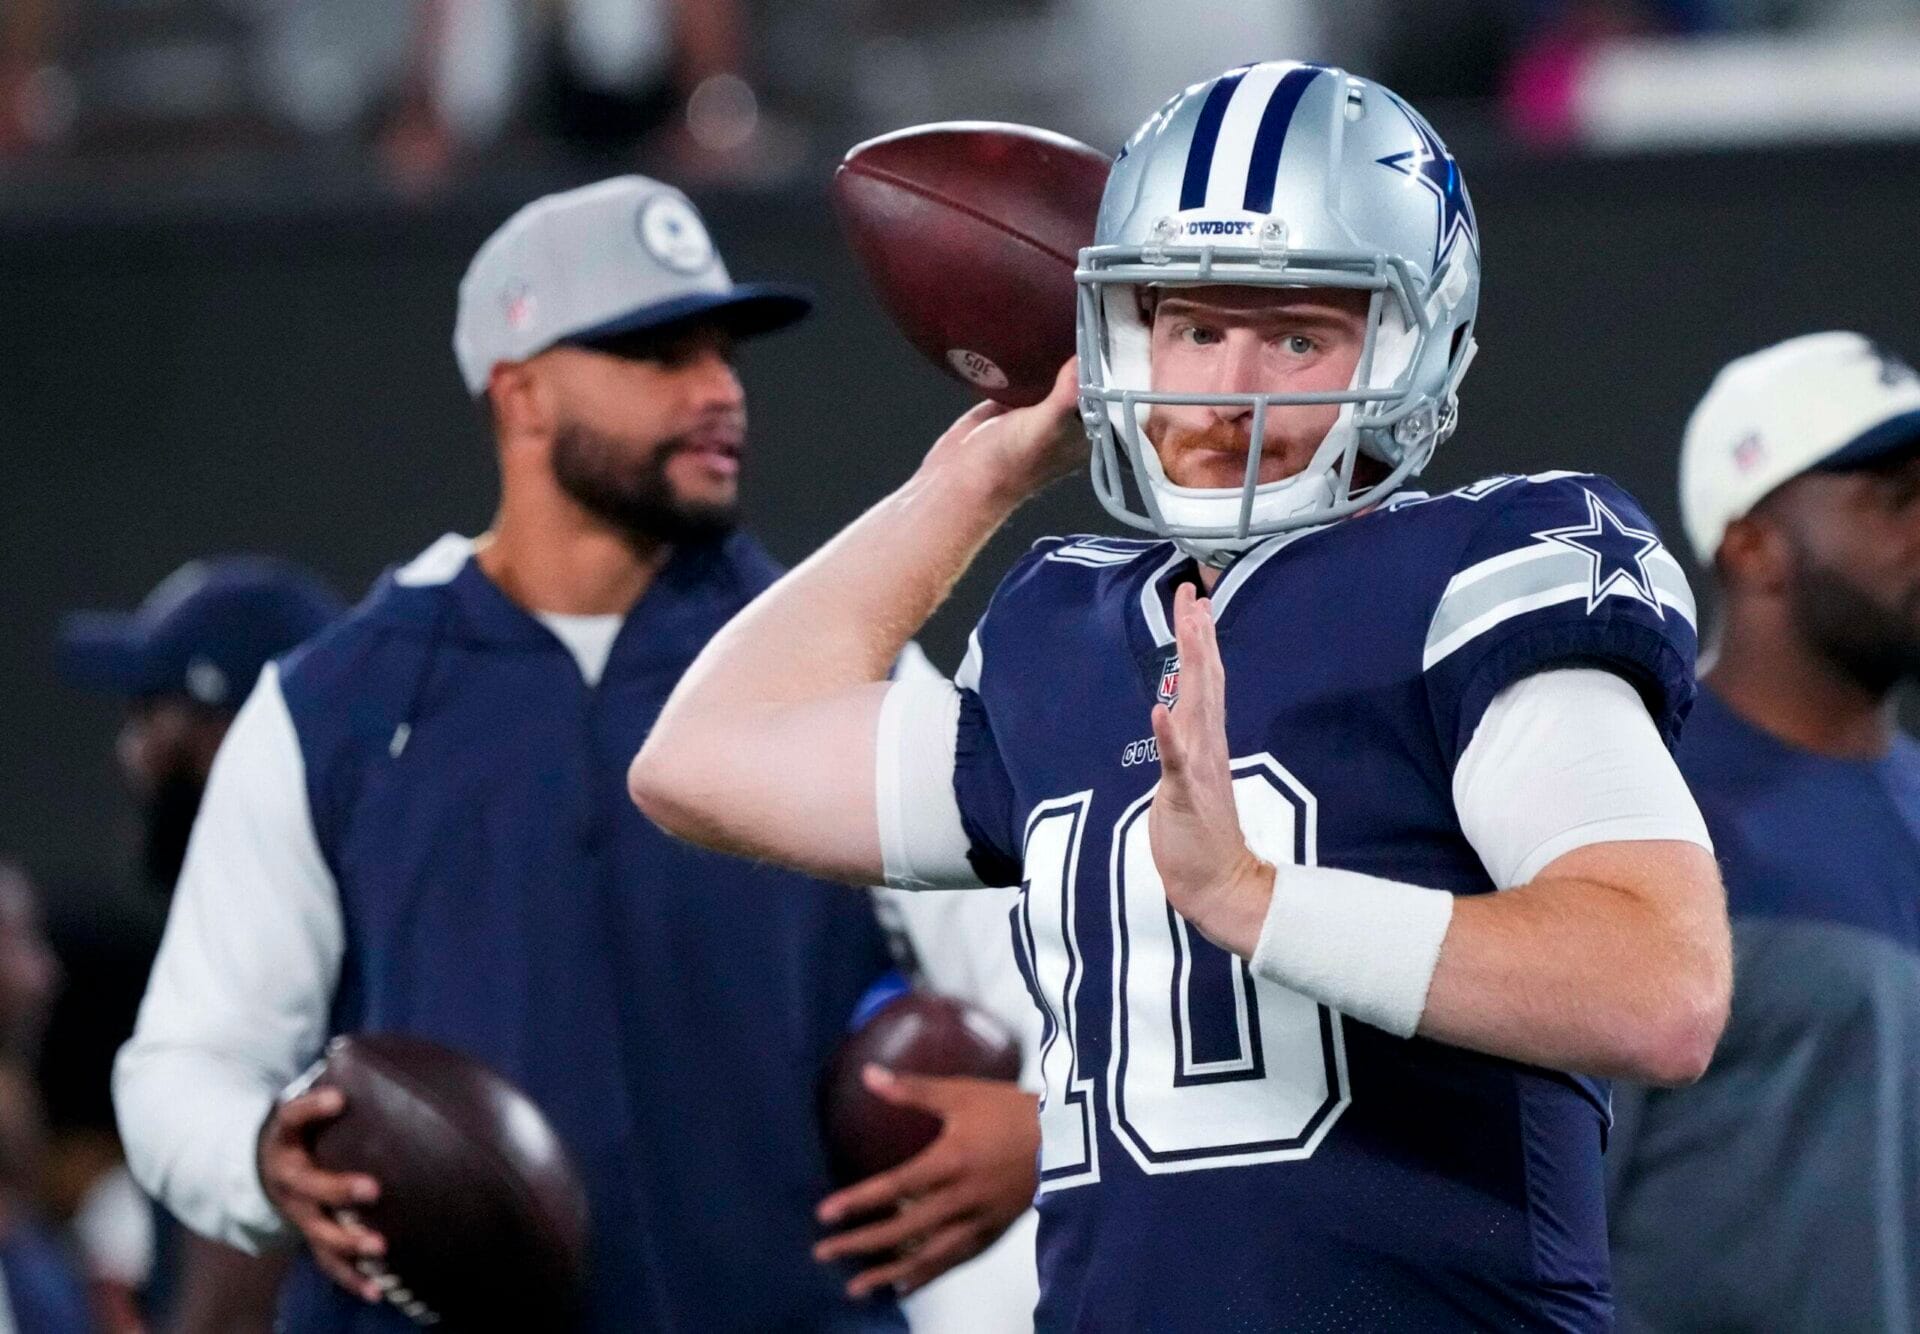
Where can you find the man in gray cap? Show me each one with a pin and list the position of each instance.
(1782, 1191)
(419, 823)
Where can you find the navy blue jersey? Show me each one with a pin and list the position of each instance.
(1774, 810)
(1219, 1152)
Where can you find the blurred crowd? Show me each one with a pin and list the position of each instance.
(749, 90)
(422, 80)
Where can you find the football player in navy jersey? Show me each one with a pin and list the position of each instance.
(1352, 854)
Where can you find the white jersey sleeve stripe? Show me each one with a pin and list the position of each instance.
(1527, 579)
(968, 677)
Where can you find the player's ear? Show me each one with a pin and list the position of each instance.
(1755, 555)
(520, 401)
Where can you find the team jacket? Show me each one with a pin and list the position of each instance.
(668, 1008)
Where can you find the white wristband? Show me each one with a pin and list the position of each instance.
(1357, 943)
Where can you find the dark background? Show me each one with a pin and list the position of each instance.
(267, 368)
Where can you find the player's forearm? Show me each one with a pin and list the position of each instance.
(1615, 961)
(1579, 974)
(840, 618)
(766, 747)
(242, 985)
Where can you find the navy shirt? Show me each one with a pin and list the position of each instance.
(668, 1008)
(1809, 837)
(43, 1289)
(1782, 1191)
(1219, 1152)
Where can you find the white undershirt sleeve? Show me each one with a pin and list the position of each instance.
(241, 989)
(922, 842)
(1563, 759)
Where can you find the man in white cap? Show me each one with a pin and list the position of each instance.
(418, 823)
(1782, 1191)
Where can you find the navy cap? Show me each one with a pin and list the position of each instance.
(205, 632)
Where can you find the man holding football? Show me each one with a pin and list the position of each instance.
(1353, 857)
(416, 824)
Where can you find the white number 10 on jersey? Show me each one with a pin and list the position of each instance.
(1265, 1086)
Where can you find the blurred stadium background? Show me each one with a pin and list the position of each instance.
(230, 232)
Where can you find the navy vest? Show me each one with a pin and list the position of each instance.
(668, 1008)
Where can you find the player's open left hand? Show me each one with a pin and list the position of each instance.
(320, 1203)
(1021, 449)
(1212, 878)
(951, 1200)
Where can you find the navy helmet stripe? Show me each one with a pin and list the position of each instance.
(1206, 134)
(1271, 137)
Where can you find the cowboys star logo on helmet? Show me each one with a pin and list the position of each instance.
(1433, 167)
(1280, 175)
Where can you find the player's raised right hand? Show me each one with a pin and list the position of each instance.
(320, 1203)
(1212, 878)
(1019, 450)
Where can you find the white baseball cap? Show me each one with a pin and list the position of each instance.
(1821, 402)
(619, 256)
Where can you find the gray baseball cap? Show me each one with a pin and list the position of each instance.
(619, 256)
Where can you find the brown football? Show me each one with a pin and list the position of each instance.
(969, 232)
(484, 1216)
(915, 1033)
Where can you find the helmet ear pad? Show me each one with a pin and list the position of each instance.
(1395, 342)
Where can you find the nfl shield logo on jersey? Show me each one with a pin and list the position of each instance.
(1169, 690)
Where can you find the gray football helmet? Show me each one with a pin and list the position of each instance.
(1280, 175)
